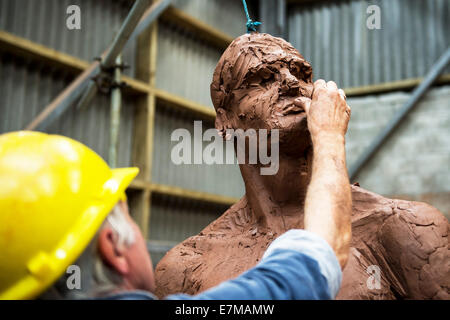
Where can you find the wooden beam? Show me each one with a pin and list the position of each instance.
(407, 84)
(199, 28)
(139, 184)
(27, 49)
(151, 117)
(144, 124)
(180, 102)
(182, 193)
(193, 195)
(30, 50)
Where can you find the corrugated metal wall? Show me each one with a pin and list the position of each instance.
(185, 64)
(44, 22)
(334, 37)
(226, 15)
(215, 179)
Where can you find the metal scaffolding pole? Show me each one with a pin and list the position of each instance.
(116, 102)
(132, 23)
(431, 77)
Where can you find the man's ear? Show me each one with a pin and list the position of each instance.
(110, 252)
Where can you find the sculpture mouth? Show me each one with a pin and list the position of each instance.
(290, 105)
(291, 108)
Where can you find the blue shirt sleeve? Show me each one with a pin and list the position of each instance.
(297, 265)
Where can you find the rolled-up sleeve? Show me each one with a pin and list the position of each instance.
(297, 265)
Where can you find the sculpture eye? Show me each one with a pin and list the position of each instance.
(295, 70)
(266, 75)
(259, 77)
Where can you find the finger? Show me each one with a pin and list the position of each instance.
(320, 84)
(303, 103)
(348, 110)
(332, 85)
(342, 94)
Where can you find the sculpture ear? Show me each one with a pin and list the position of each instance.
(222, 122)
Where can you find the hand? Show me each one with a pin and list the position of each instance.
(328, 112)
(328, 203)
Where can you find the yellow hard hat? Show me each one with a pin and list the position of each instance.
(55, 193)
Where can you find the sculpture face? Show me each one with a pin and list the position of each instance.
(255, 84)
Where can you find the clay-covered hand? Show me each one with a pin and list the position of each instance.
(328, 112)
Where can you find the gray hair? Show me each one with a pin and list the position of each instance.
(97, 278)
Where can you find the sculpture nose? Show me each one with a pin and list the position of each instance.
(289, 83)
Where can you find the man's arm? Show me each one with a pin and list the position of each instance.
(328, 201)
(298, 265)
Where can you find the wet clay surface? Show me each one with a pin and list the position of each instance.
(254, 86)
(407, 240)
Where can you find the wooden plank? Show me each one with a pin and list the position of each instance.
(151, 117)
(199, 28)
(139, 208)
(152, 97)
(30, 50)
(192, 195)
(139, 184)
(407, 84)
(143, 124)
(27, 49)
(178, 192)
(180, 102)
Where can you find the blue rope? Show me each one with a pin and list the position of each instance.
(251, 25)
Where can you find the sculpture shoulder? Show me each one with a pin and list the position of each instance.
(416, 242)
(408, 213)
(174, 272)
(367, 203)
(413, 237)
(170, 273)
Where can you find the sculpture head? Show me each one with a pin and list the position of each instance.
(255, 84)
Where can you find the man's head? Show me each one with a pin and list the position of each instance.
(255, 84)
(122, 246)
(115, 260)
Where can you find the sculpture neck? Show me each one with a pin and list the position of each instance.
(279, 199)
